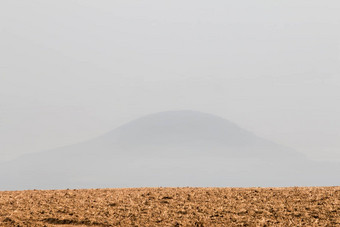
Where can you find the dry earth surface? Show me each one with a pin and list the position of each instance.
(310, 206)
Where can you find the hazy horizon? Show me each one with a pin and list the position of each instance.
(169, 149)
(73, 70)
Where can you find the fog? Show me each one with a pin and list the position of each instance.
(73, 70)
(169, 149)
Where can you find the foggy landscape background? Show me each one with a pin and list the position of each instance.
(73, 70)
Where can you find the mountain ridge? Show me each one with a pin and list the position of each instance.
(174, 148)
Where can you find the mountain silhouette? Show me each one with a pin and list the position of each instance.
(182, 133)
(174, 148)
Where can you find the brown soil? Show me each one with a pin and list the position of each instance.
(312, 206)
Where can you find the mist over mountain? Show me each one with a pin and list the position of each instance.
(175, 148)
(183, 133)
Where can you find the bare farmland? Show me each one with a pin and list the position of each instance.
(309, 206)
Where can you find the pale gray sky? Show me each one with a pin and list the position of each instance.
(72, 70)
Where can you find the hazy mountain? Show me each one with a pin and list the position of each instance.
(176, 148)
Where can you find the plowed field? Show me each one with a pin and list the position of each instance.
(310, 206)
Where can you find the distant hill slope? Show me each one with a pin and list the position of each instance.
(182, 133)
(175, 148)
